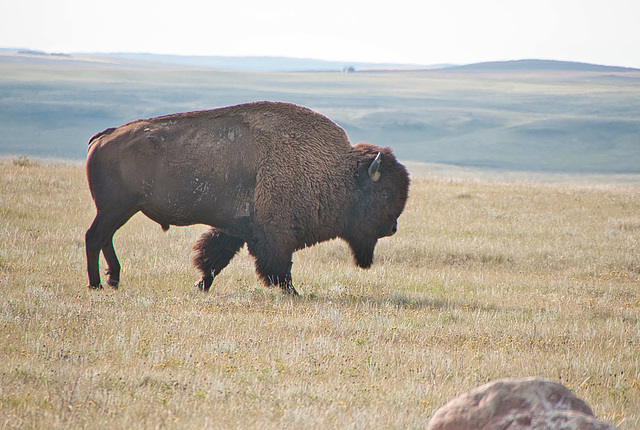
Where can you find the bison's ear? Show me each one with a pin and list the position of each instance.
(374, 169)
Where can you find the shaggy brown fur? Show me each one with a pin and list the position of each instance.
(276, 176)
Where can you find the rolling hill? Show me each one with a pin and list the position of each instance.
(539, 65)
(526, 115)
(248, 63)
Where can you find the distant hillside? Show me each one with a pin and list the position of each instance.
(538, 65)
(521, 115)
(255, 63)
(264, 64)
(288, 64)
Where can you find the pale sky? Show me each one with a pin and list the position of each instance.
(403, 31)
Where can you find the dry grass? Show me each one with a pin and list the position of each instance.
(482, 281)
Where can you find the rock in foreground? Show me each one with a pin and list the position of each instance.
(517, 404)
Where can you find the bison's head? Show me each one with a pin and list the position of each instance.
(382, 185)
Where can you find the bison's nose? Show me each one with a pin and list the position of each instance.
(389, 229)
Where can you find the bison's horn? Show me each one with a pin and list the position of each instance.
(374, 169)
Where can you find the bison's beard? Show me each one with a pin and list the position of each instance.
(362, 251)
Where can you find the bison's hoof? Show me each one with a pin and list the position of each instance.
(202, 285)
(288, 289)
(114, 283)
(95, 287)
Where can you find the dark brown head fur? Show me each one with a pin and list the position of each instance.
(374, 213)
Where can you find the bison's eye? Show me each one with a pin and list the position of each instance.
(385, 195)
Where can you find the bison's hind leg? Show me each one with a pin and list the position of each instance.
(113, 265)
(98, 238)
(214, 250)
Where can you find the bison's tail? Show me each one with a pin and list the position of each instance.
(102, 133)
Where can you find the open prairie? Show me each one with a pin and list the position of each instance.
(536, 120)
(484, 280)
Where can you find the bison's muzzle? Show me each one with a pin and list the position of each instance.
(389, 230)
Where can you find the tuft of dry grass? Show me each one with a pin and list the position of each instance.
(482, 281)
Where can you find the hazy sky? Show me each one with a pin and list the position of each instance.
(418, 32)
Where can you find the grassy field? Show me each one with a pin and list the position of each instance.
(522, 120)
(482, 281)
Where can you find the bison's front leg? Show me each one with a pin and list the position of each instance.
(283, 281)
(273, 266)
(214, 250)
(205, 282)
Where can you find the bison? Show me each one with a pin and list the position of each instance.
(276, 176)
